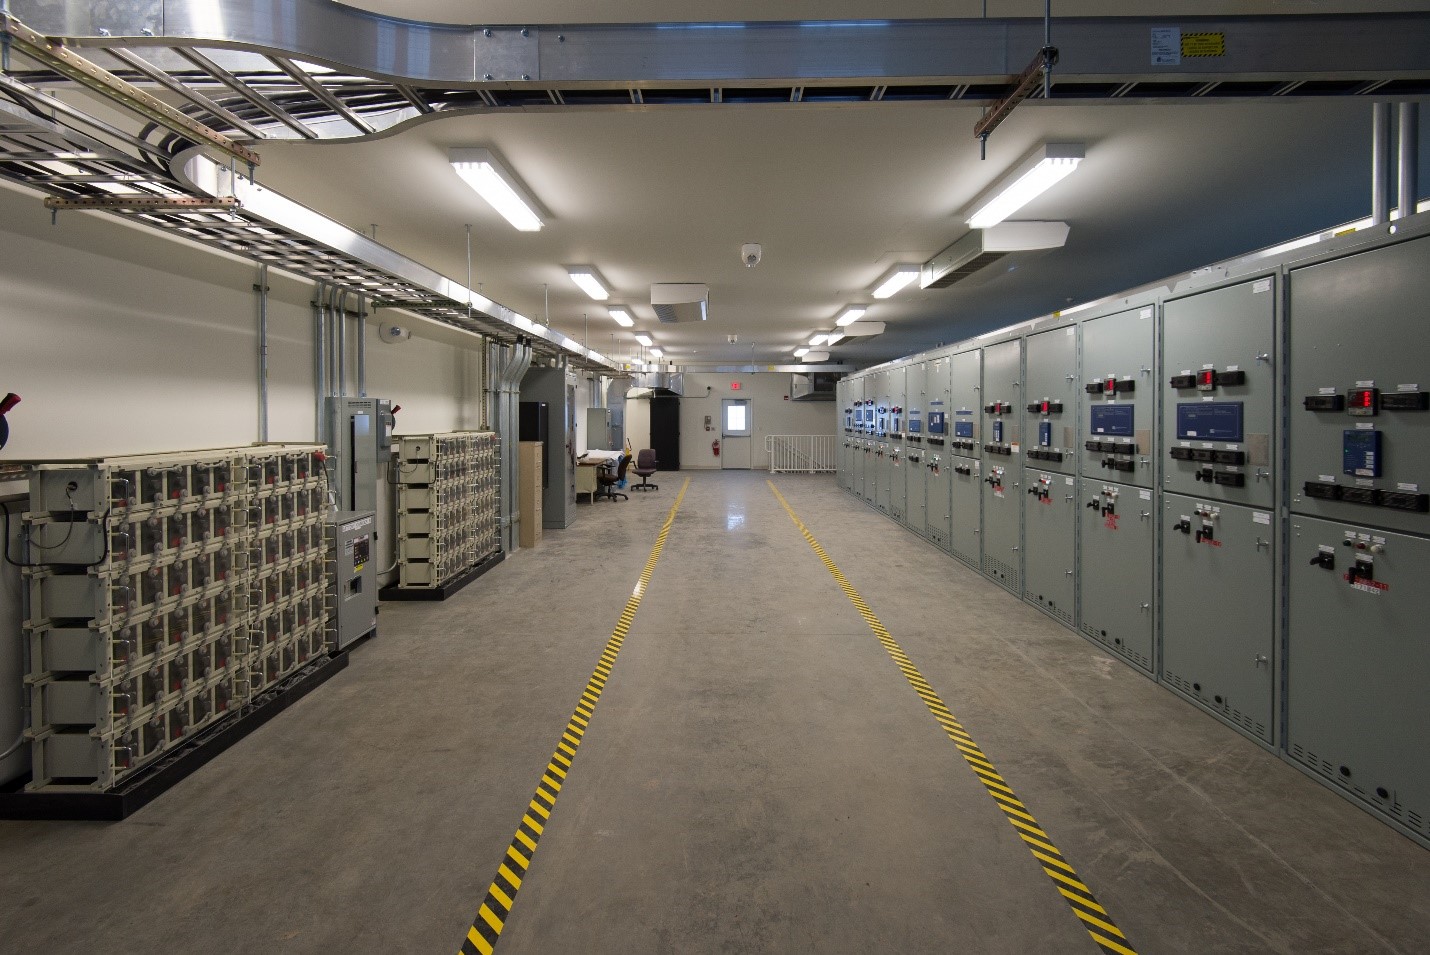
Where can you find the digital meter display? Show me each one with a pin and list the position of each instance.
(1362, 401)
(1206, 380)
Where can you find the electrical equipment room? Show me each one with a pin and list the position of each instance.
(936, 477)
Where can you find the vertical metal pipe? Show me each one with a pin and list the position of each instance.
(362, 346)
(262, 289)
(1380, 164)
(341, 311)
(320, 362)
(1409, 153)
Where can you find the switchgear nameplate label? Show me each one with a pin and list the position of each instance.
(1210, 421)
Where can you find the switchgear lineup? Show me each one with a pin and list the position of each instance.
(1223, 481)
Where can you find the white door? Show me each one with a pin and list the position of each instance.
(736, 442)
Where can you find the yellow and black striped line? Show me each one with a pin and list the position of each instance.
(1065, 879)
(501, 895)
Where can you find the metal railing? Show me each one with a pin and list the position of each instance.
(802, 453)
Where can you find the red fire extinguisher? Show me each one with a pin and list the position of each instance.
(715, 448)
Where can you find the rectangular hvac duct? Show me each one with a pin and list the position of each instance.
(983, 247)
(680, 301)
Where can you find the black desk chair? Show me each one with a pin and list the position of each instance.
(609, 480)
(645, 467)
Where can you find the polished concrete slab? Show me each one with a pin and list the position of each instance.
(758, 776)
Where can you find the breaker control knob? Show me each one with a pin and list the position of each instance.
(1326, 559)
(1184, 526)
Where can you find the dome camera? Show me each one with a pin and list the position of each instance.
(750, 254)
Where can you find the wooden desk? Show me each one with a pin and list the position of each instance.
(586, 480)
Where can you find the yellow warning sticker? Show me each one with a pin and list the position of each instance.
(1204, 44)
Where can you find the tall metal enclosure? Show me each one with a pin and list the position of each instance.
(1002, 408)
(844, 401)
(556, 387)
(1050, 473)
(1359, 407)
(915, 449)
(1117, 577)
(505, 366)
(883, 463)
(1219, 524)
(965, 540)
(938, 461)
(894, 382)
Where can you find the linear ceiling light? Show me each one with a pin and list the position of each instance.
(657, 352)
(901, 276)
(818, 340)
(851, 314)
(1048, 165)
(622, 316)
(645, 340)
(589, 280)
(481, 170)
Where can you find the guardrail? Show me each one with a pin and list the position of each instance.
(800, 453)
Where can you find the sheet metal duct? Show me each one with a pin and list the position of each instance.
(680, 301)
(982, 247)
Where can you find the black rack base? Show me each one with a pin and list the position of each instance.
(149, 783)
(446, 589)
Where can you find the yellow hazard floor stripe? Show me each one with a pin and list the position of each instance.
(1100, 928)
(496, 908)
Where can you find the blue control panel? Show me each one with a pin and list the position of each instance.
(997, 430)
(1045, 434)
(916, 424)
(936, 422)
(963, 429)
(1210, 420)
(1115, 420)
(1360, 453)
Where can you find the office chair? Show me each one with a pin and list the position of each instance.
(645, 467)
(608, 481)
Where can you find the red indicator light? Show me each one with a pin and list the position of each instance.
(1110, 386)
(1361, 398)
(1206, 380)
(1045, 406)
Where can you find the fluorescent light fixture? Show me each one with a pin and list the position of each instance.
(835, 337)
(645, 340)
(480, 169)
(1048, 165)
(901, 276)
(657, 352)
(864, 329)
(801, 352)
(818, 340)
(851, 314)
(589, 279)
(622, 316)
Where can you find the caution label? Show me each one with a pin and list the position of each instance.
(1203, 44)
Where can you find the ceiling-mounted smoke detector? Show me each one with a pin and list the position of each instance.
(680, 301)
(983, 247)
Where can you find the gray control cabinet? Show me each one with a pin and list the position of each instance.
(1116, 578)
(894, 381)
(1360, 388)
(965, 407)
(1219, 620)
(1357, 667)
(352, 588)
(1219, 393)
(1117, 425)
(1002, 414)
(1050, 401)
(844, 412)
(938, 424)
(1050, 532)
(915, 449)
(965, 479)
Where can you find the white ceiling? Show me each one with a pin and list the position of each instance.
(836, 195)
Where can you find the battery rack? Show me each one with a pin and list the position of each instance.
(165, 593)
(448, 512)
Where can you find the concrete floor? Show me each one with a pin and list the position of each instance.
(758, 777)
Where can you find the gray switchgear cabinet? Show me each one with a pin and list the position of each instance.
(1050, 555)
(1265, 411)
(915, 450)
(1219, 393)
(1357, 665)
(894, 380)
(1002, 463)
(1219, 610)
(938, 468)
(1117, 425)
(1360, 389)
(1119, 524)
(1051, 401)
